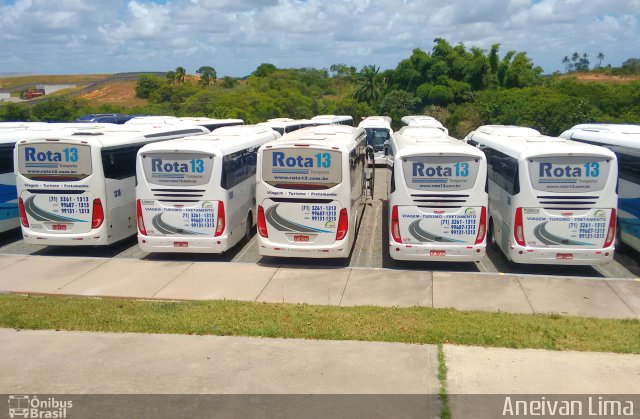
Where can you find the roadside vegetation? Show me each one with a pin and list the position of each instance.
(233, 318)
(462, 87)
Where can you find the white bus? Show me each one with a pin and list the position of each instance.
(437, 197)
(79, 189)
(10, 134)
(378, 129)
(327, 120)
(624, 141)
(282, 125)
(208, 123)
(197, 194)
(551, 200)
(311, 187)
(423, 121)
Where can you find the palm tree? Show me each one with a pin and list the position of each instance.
(600, 57)
(207, 75)
(369, 84)
(567, 63)
(180, 74)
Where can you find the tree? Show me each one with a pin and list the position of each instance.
(146, 84)
(368, 84)
(264, 70)
(600, 57)
(398, 103)
(171, 77)
(341, 70)
(14, 113)
(567, 63)
(207, 75)
(180, 75)
(632, 65)
(440, 95)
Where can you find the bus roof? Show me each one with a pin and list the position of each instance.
(173, 120)
(44, 130)
(118, 135)
(376, 122)
(327, 119)
(533, 144)
(280, 122)
(332, 135)
(613, 134)
(224, 140)
(420, 140)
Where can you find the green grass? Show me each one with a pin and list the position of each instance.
(445, 410)
(233, 318)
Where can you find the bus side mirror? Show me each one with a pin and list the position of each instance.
(386, 148)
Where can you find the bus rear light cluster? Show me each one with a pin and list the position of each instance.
(395, 225)
(611, 232)
(262, 223)
(221, 220)
(23, 214)
(343, 225)
(140, 219)
(518, 228)
(97, 215)
(482, 227)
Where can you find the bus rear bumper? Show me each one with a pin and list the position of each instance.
(177, 244)
(340, 249)
(560, 256)
(94, 238)
(436, 253)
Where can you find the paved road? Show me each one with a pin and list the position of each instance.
(369, 251)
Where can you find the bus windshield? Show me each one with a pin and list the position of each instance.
(302, 168)
(569, 173)
(54, 161)
(440, 173)
(177, 169)
(376, 137)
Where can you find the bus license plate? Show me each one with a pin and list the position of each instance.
(180, 244)
(59, 227)
(564, 255)
(438, 253)
(300, 238)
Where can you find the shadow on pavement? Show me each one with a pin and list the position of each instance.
(10, 236)
(89, 251)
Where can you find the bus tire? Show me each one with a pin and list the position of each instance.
(248, 233)
(492, 235)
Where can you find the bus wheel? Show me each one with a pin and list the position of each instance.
(492, 235)
(248, 230)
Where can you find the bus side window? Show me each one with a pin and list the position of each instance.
(6, 159)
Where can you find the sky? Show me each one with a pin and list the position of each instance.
(235, 36)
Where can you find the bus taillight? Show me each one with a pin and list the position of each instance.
(395, 225)
(482, 227)
(97, 216)
(262, 223)
(220, 223)
(140, 219)
(611, 232)
(518, 228)
(23, 214)
(343, 225)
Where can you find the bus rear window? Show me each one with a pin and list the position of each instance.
(569, 173)
(302, 168)
(54, 161)
(177, 169)
(440, 173)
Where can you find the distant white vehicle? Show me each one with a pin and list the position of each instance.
(423, 121)
(283, 125)
(551, 200)
(79, 188)
(208, 123)
(437, 197)
(379, 132)
(311, 188)
(327, 120)
(197, 194)
(624, 141)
